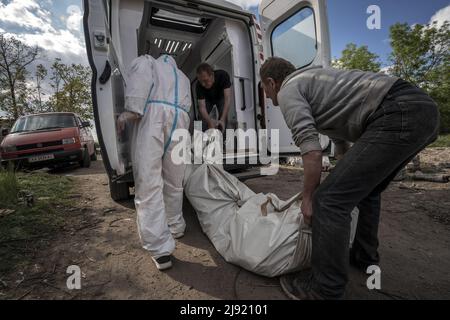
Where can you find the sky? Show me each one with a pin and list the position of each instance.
(347, 21)
(56, 25)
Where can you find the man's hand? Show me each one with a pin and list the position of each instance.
(211, 125)
(221, 125)
(124, 118)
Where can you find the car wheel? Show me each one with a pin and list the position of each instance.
(86, 162)
(119, 191)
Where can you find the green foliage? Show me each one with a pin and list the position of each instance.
(360, 58)
(72, 89)
(15, 56)
(421, 55)
(442, 141)
(70, 83)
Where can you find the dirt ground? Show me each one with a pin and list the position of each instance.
(101, 238)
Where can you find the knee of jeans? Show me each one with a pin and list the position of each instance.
(325, 206)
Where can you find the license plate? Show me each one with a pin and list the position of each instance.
(44, 157)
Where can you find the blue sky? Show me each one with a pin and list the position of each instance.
(347, 21)
(56, 24)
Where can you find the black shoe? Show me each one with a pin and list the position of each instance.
(299, 286)
(163, 263)
(361, 265)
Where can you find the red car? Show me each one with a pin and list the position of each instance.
(48, 139)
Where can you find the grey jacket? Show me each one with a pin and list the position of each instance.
(332, 102)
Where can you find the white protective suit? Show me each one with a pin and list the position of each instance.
(158, 91)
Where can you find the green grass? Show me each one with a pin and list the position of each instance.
(442, 141)
(9, 188)
(26, 228)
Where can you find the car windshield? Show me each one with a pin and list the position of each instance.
(44, 122)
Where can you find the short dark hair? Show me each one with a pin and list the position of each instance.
(204, 67)
(277, 69)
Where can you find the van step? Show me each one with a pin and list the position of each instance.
(248, 174)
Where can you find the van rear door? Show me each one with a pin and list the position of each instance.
(296, 31)
(107, 83)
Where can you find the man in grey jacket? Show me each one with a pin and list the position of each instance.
(388, 120)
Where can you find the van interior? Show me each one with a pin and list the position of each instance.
(192, 37)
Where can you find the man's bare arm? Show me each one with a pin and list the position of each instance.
(312, 165)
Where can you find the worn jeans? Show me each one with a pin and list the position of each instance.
(404, 124)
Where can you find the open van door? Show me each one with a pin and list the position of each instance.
(296, 31)
(107, 92)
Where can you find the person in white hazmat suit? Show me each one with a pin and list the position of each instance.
(157, 101)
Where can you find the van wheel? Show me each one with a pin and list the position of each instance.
(86, 162)
(119, 191)
(94, 156)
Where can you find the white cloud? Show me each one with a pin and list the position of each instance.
(61, 41)
(441, 16)
(26, 14)
(246, 4)
(73, 21)
(387, 70)
(37, 29)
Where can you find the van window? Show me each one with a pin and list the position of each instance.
(295, 38)
(107, 5)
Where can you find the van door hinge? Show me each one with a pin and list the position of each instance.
(100, 40)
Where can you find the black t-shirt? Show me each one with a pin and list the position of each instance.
(215, 94)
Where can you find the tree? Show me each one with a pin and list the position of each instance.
(15, 56)
(420, 55)
(40, 75)
(360, 58)
(71, 84)
(35, 98)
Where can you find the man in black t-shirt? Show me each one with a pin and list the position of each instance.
(213, 88)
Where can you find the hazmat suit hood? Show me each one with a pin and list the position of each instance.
(168, 59)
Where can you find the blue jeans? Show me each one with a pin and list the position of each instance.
(404, 124)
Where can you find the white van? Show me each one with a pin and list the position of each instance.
(195, 31)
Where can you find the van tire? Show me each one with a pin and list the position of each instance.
(86, 162)
(119, 191)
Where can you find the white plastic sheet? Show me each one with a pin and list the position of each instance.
(258, 232)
